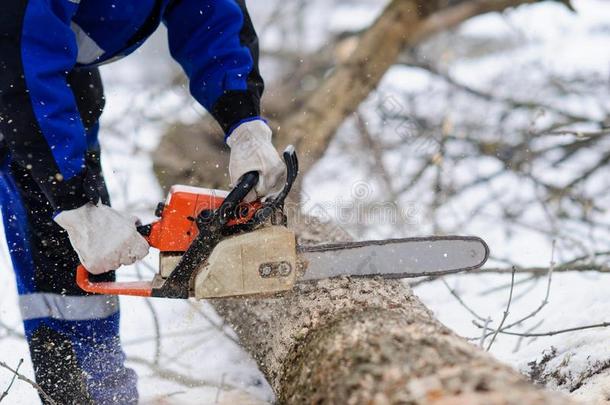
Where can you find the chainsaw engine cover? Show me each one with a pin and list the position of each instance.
(176, 229)
(259, 262)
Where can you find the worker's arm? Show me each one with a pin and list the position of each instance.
(42, 127)
(39, 118)
(217, 46)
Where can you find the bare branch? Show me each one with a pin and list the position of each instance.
(23, 378)
(462, 303)
(484, 334)
(544, 270)
(398, 27)
(557, 332)
(506, 312)
(176, 377)
(10, 385)
(529, 330)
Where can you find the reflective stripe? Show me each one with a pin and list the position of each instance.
(67, 307)
(88, 50)
(74, 1)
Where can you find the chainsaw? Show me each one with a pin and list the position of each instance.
(214, 245)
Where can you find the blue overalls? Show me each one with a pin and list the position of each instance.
(51, 98)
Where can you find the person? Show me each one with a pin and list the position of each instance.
(55, 206)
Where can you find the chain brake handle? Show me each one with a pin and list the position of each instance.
(292, 170)
(276, 202)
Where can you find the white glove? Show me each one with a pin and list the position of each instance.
(103, 238)
(252, 150)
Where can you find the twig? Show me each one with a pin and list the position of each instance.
(222, 380)
(186, 348)
(219, 327)
(588, 256)
(516, 104)
(557, 332)
(157, 326)
(176, 377)
(525, 292)
(544, 302)
(422, 280)
(180, 333)
(579, 134)
(510, 298)
(156, 323)
(10, 385)
(371, 144)
(544, 270)
(23, 378)
(462, 303)
(520, 340)
(484, 335)
(500, 287)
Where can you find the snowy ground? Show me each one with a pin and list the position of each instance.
(200, 362)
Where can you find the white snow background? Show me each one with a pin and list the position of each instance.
(195, 343)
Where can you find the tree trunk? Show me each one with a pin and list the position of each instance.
(369, 342)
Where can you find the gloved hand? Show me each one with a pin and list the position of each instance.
(252, 150)
(103, 238)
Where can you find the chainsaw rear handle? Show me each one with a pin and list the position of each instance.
(144, 288)
(134, 288)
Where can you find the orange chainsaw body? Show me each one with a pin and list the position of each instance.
(176, 228)
(174, 232)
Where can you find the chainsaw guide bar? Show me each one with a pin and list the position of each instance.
(395, 258)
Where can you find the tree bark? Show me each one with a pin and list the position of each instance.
(369, 342)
